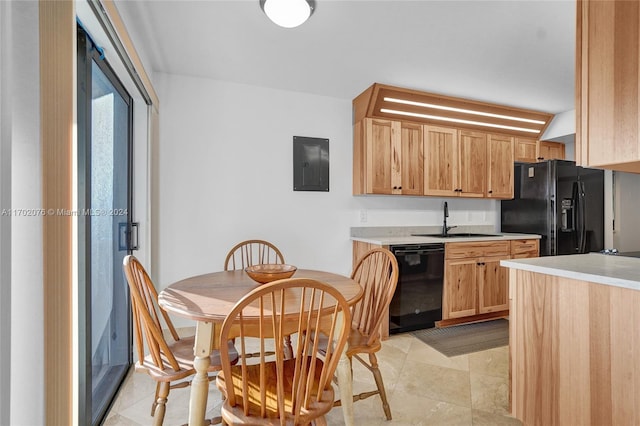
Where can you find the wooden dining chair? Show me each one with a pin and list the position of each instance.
(293, 391)
(252, 252)
(255, 252)
(169, 363)
(377, 272)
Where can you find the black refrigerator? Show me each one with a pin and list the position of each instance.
(560, 201)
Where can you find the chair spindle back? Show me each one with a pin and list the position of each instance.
(252, 252)
(377, 272)
(273, 311)
(148, 316)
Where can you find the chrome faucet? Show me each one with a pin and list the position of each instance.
(445, 228)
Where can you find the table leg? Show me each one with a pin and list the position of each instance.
(345, 384)
(200, 382)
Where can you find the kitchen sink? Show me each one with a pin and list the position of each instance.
(457, 235)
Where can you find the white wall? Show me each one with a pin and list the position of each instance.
(5, 220)
(27, 321)
(226, 175)
(562, 124)
(626, 236)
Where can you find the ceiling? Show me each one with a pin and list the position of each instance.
(511, 52)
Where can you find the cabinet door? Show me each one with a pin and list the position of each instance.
(607, 81)
(472, 164)
(460, 288)
(383, 157)
(500, 166)
(441, 161)
(493, 289)
(412, 159)
(550, 151)
(526, 150)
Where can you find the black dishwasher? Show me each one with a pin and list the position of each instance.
(417, 301)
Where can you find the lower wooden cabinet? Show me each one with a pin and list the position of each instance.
(493, 286)
(460, 288)
(476, 286)
(475, 283)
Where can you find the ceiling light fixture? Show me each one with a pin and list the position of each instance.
(462, 110)
(457, 120)
(288, 13)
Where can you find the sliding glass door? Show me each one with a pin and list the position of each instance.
(105, 115)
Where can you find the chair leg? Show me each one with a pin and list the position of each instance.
(155, 400)
(378, 378)
(162, 392)
(288, 349)
(320, 421)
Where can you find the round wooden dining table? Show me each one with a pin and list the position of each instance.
(208, 298)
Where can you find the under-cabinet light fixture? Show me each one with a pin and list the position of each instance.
(288, 13)
(458, 120)
(462, 110)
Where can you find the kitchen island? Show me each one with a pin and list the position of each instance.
(575, 339)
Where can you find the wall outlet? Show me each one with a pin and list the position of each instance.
(363, 216)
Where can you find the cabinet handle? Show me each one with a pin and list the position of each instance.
(490, 191)
(399, 187)
(480, 263)
(540, 158)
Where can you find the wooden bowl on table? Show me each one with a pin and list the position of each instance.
(270, 272)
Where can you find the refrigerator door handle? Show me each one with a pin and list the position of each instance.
(581, 226)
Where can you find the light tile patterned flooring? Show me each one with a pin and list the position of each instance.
(424, 387)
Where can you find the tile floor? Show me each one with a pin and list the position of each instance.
(424, 387)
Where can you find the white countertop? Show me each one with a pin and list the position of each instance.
(408, 239)
(617, 271)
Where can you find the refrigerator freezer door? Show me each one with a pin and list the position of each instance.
(530, 212)
(545, 204)
(567, 237)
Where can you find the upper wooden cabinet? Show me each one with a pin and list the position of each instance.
(412, 158)
(391, 158)
(472, 166)
(531, 151)
(401, 158)
(526, 150)
(441, 161)
(455, 162)
(462, 163)
(401, 148)
(500, 166)
(550, 151)
(607, 85)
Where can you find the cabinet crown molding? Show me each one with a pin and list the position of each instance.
(395, 103)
